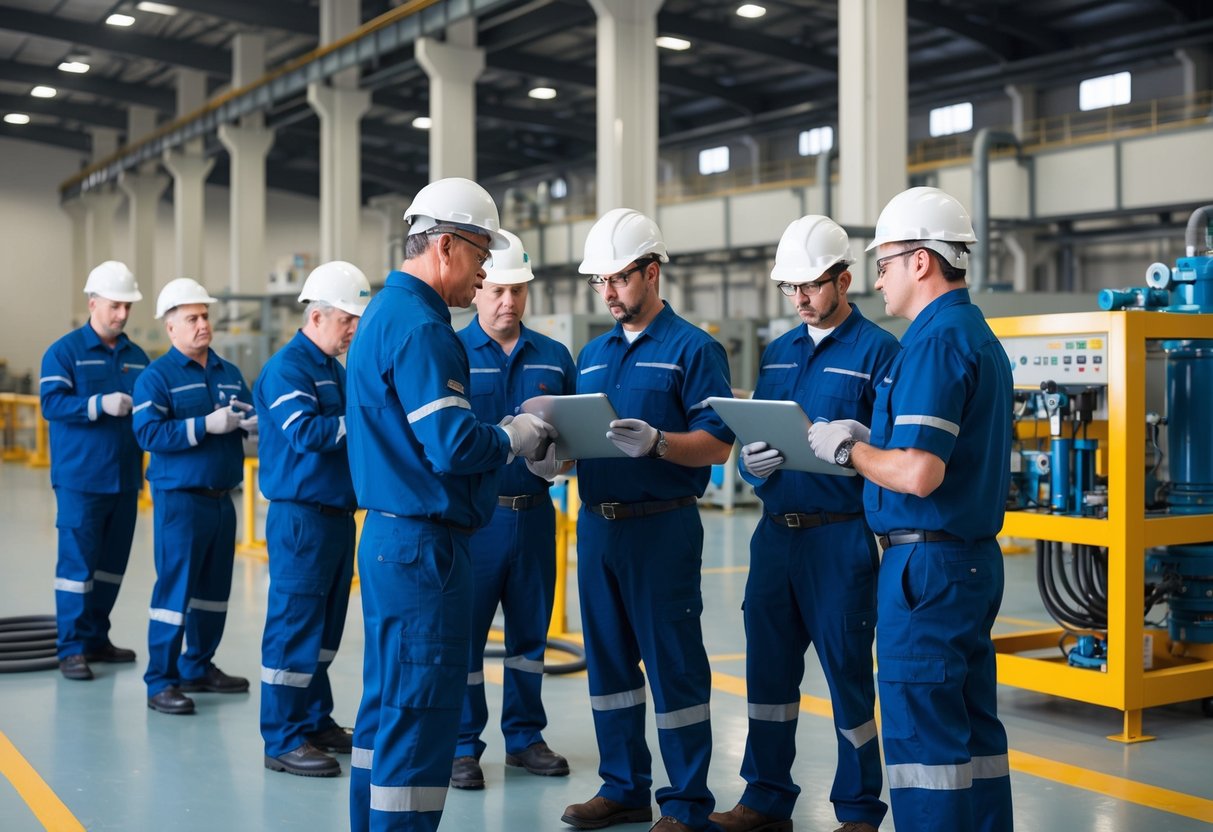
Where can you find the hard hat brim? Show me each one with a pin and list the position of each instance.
(509, 277)
(118, 297)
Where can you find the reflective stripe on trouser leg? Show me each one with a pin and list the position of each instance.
(210, 587)
(633, 608)
(416, 584)
(937, 686)
(306, 558)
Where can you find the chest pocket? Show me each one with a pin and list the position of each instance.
(191, 400)
(541, 381)
(775, 381)
(593, 379)
(484, 383)
(655, 396)
(93, 378)
(329, 399)
(129, 373)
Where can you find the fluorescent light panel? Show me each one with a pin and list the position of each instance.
(119, 20)
(78, 67)
(423, 122)
(16, 118)
(43, 92)
(676, 44)
(156, 8)
(751, 10)
(542, 93)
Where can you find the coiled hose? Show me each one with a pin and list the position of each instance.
(28, 642)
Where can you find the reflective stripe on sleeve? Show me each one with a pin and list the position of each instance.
(861, 736)
(683, 717)
(928, 421)
(287, 678)
(618, 701)
(77, 587)
(291, 419)
(434, 406)
(774, 713)
(340, 430)
(523, 664)
(294, 394)
(408, 798)
(93, 402)
(191, 433)
(64, 379)
(937, 778)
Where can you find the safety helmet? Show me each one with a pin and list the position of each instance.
(113, 281)
(621, 236)
(180, 291)
(456, 201)
(930, 215)
(338, 284)
(513, 265)
(809, 247)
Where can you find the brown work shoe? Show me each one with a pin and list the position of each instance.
(744, 819)
(598, 812)
(669, 824)
(856, 826)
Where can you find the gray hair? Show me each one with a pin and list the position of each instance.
(418, 244)
(322, 306)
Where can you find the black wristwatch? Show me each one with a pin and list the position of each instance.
(660, 447)
(842, 455)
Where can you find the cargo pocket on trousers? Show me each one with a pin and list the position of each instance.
(681, 617)
(904, 689)
(859, 629)
(433, 672)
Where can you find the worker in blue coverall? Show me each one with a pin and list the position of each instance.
(191, 410)
(813, 560)
(935, 465)
(309, 528)
(426, 469)
(96, 466)
(640, 539)
(514, 556)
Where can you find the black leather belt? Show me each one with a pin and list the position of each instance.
(330, 511)
(622, 511)
(900, 537)
(450, 524)
(519, 503)
(213, 493)
(796, 520)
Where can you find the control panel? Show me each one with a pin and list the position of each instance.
(1078, 359)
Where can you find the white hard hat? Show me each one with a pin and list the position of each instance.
(621, 236)
(809, 247)
(927, 214)
(113, 281)
(510, 266)
(181, 291)
(338, 284)
(456, 201)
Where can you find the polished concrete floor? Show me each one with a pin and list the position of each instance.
(91, 755)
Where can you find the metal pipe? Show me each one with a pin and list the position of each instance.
(985, 141)
(1202, 215)
(823, 180)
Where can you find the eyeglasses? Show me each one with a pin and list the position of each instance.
(617, 281)
(481, 259)
(881, 263)
(809, 289)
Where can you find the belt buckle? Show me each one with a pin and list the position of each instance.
(792, 521)
(608, 510)
(518, 502)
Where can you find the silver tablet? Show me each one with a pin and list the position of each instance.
(781, 425)
(581, 422)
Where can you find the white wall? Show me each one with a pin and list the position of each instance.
(36, 238)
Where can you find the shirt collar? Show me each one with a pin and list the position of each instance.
(656, 329)
(953, 297)
(478, 338)
(846, 332)
(309, 348)
(183, 360)
(424, 292)
(93, 341)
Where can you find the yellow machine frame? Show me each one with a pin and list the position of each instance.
(1181, 672)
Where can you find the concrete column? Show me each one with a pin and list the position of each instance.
(139, 122)
(247, 146)
(189, 172)
(78, 212)
(627, 104)
(452, 68)
(191, 95)
(143, 192)
(872, 131)
(340, 112)
(1195, 64)
(1023, 111)
(392, 206)
(105, 142)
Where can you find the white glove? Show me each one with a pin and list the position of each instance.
(760, 459)
(635, 437)
(825, 437)
(223, 420)
(549, 467)
(116, 404)
(249, 425)
(859, 431)
(529, 435)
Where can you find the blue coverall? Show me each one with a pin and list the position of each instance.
(514, 556)
(309, 532)
(192, 473)
(638, 578)
(815, 585)
(96, 471)
(948, 393)
(425, 468)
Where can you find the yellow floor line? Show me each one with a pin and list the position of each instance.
(724, 570)
(44, 803)
(1025, 622)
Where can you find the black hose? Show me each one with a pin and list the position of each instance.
(28, 642)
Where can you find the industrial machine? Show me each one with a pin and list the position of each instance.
(1112, 475)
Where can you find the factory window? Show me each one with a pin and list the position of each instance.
(714, 160)
(1105, 91)
(955, 118)
(816, 141)
(558, 188)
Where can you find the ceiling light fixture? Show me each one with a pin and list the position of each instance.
(676, 44)
(78, 67)
(16, 118)
(156, 8)
(119, 20)
(751, 11)
(423, 122)
(543, 93)
(43, 92)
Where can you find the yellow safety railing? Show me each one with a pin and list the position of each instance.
(250, 544)
(13, 410)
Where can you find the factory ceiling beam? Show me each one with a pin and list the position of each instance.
(117, 91)
(297, 18)
(721, 34)
(83, 113)
(55, 136)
